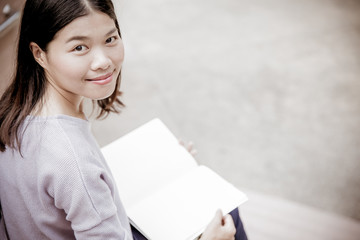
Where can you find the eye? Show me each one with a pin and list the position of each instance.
(80, 48)
(111, 39)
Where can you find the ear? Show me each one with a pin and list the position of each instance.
(39, 54)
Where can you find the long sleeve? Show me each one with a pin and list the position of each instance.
(61, 187)
(82, 186)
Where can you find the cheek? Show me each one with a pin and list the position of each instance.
(71, 67)
(118, 56)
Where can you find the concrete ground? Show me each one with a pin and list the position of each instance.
(267, 89)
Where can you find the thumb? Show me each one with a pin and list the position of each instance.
(218, 219)
(228, 222)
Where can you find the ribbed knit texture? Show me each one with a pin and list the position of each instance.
(62, 187)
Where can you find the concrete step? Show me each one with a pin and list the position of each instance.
(268, 217)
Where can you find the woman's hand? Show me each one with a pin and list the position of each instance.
(189, 147)
(220, 228)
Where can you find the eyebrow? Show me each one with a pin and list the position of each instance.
(111, 31)
(82, 38)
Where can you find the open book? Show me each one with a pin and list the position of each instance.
(166, 194)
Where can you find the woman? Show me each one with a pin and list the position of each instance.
(54, 181)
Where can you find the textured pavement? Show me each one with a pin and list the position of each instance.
(268, 90)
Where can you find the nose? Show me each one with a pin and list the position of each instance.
(101, 60)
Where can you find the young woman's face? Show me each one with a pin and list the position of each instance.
(85, 57)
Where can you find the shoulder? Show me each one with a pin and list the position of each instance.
(63, 164)
(58, 135)
(72, 170)
(63, 147)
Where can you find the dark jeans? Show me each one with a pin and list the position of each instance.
(240, 231)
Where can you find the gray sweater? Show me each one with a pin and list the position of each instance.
(61, 186)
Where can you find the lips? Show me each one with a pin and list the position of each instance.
(104, 79)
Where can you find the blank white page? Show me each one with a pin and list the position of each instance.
(145, 159)
(182, 209)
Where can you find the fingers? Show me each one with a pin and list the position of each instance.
(228, 224)
(216, 222)
(189, 147)
(220, 228)
(225, 221)
(218, 218)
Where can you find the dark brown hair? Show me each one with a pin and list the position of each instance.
(41, 20)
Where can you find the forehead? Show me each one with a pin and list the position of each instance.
(92, 24)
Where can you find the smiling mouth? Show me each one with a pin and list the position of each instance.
(104, 79)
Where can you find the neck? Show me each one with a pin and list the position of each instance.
(55, 102)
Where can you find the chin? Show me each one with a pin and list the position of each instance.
(101, 97)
